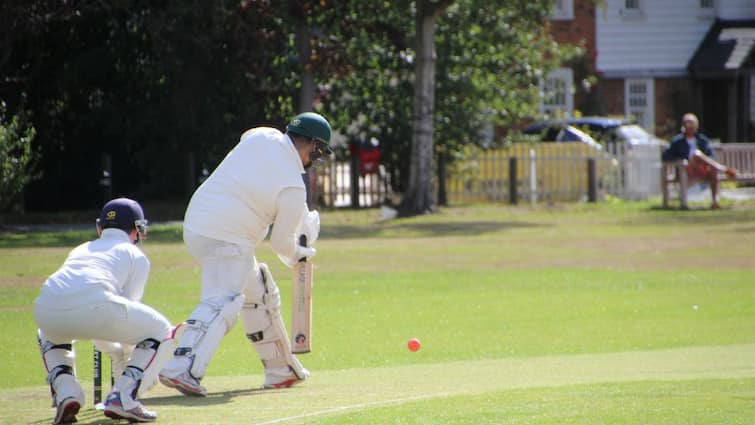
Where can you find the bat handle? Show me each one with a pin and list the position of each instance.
(303, 242)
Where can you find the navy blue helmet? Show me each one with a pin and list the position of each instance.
(125, 214)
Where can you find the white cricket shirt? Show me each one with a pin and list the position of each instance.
(111, 263)
(259, 183)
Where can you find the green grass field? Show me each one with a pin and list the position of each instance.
(616, 313)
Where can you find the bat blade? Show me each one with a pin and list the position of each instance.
(301, 308)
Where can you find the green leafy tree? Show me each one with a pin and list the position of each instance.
(165, 86)
(16, 157)
(489, 58)
(158, 86)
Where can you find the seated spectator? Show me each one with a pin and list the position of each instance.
(695, 147)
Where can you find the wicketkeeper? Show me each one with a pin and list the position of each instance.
(258, 184)
(95, 295)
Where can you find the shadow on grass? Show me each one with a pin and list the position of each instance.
(212, 398)
(697, 216)
(90, 416)
(173, 233)
(70, 237)
(435, 229)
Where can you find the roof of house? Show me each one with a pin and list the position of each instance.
(725, 51)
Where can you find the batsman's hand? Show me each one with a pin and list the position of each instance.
(299, 253)
(310, 227)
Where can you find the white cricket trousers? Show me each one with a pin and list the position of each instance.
(99, 315)
(228, 269)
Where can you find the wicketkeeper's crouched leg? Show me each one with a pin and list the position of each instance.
(140, 374)
(266, 330)
(60, 363)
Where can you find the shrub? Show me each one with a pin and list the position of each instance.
(16, 157)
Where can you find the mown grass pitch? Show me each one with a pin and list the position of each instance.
(580, 314)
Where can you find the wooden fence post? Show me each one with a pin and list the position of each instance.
(513, 194)
(442, 197)
(354, 180)
(592, 186)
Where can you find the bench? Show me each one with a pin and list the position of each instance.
(740, 156)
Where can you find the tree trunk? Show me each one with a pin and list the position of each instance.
(307, 90)
(418, 197)
(306, 97)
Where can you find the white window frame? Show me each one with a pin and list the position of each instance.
(563, 10)
(632, 9)
(639, 101)
(557, 93)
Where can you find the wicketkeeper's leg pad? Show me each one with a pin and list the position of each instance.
(264, 325)
(209, 322)
(126, 387)
(60, 364)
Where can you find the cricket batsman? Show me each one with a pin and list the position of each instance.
(96, 295)
(259, 184)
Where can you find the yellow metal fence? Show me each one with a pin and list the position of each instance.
(545, 172)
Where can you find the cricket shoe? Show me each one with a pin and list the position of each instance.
(282, 377)
(114, 410)
(66, 411)
(185, 383)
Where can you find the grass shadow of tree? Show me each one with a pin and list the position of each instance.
(423, 229)
(695, 217)
(173, 233)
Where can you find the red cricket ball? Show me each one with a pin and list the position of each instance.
(413, 344)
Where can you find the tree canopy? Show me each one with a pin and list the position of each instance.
(163, 88)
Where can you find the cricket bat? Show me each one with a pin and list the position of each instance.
(301, 308)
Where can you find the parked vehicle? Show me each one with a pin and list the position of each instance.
(570, 133)
(602, 129)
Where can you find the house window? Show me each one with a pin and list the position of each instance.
(639, 97)
(562, 10)
(707, 9)
(556, 93)
(632, 9)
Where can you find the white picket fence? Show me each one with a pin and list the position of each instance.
(640, 167)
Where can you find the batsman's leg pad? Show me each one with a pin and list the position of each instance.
(209, 322)
(60, 364)
(264, 325)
